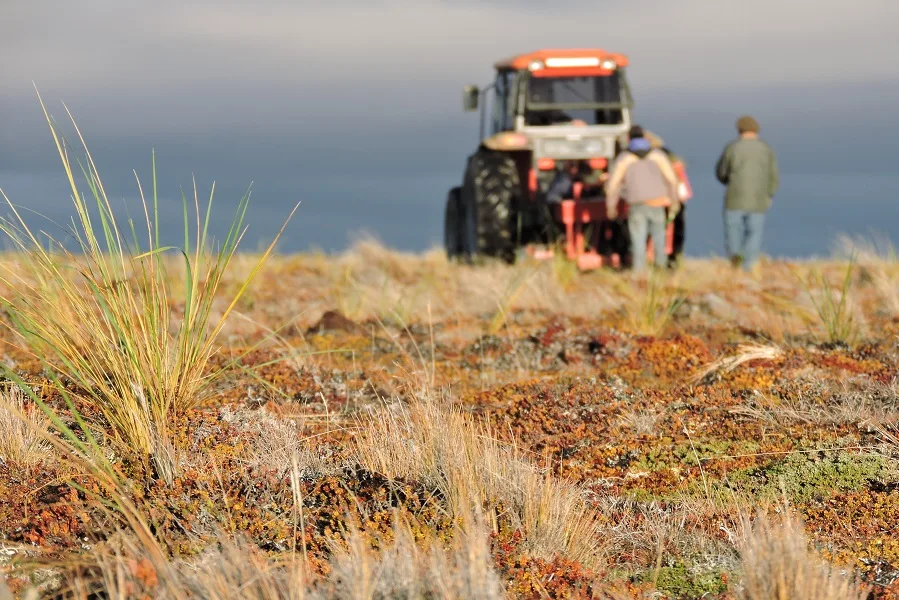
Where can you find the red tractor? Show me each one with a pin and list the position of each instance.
(549, 116)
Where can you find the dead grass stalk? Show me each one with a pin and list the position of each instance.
(777, 564)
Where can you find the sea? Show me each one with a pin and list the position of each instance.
(404, 211)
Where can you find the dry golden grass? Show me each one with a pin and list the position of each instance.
(407, 569)
(22, 430)
(403, 568)
(777, 565)
(450, 452)
(277, 443)
(745, 353)
(132, 563)
(106, 318)
(369, 282)
(870, 405)
(123, 569)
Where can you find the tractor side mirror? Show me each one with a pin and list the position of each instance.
(470, 98)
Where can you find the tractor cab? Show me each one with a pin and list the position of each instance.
(549, 119)
(561, 106)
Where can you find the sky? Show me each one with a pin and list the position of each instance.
(353, 107)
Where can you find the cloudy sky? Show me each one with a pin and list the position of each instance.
(353, 107)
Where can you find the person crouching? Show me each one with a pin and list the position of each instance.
(651, 187)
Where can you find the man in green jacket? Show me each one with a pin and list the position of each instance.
(748, 167)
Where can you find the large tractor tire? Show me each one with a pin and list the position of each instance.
(489, 196)
(453, 224)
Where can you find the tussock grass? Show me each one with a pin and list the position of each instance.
(22, 426)
(880, 262)
(278, 444)
(507, 299)
(777, 564)
(108, 318)
(835, 311)
(651, 533)
(871, 405)
(125, 568)
(650, 310)
(370, 281)
(405, 569)
(131, 562)
(450, 452)
(641, 421)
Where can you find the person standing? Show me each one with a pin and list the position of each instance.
(650, 185)
(748, 167)
(684, 193)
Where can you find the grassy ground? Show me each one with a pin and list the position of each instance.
(392, 425)
(200, 423)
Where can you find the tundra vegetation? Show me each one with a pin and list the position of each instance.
(200, 422)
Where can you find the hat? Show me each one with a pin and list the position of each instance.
(747, 124)
(635, 132)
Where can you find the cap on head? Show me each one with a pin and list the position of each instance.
(747, 124)
(636, 132)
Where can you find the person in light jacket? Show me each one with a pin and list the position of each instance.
(651, 194)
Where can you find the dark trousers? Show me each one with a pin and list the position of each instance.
(680, 225)
(614, 238)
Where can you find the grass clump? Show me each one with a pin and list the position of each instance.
(108, 317)
(21, 427)
(776, 564)
(649, 311)
(833, 308)
(448, 451)
(405, 569)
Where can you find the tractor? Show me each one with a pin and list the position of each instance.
(547, 113)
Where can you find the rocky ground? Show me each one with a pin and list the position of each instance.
(672, 405)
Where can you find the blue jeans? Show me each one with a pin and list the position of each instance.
(743, 235)
(643, 219)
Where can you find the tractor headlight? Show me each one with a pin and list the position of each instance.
(589, 148)
(594, 148)
(555, 148)
(536, 65)
(609, 64)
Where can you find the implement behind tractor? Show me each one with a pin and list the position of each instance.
(550, 118)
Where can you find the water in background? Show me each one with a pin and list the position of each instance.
(405, 211)
(809, 212)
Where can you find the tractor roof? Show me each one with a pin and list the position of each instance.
(522, 61)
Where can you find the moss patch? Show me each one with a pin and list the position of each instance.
(816, 475)
(680, 581)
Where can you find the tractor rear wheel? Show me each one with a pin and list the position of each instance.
(490, 191)
(453, 240)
